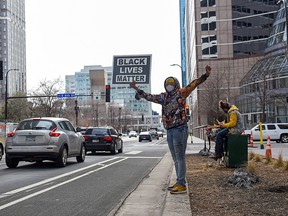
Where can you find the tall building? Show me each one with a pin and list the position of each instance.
(263, 90)
(231, 37)
(70, 84)
(94, 78)
(13, 46)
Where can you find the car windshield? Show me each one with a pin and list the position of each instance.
(96, 131)
(36, 124)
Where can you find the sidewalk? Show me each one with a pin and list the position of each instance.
(151, 198)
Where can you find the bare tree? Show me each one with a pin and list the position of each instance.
(263, 94)
(46, 104)
(221, 85)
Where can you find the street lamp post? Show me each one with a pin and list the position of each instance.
(6, 93)
(182, 75)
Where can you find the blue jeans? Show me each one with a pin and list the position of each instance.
(177, 142)
(219, 149)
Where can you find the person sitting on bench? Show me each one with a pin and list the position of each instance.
(234, 125)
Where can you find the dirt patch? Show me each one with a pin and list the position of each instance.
(211, 194)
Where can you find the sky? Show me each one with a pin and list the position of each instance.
(63, 36)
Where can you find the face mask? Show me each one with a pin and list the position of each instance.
(170, 88)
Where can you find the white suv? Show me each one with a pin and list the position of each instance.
(132, 134)
(277, 132)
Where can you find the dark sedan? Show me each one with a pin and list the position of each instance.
(103, 139)
(145, 136)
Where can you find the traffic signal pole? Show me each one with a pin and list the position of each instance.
(108, 98)
(76, 111)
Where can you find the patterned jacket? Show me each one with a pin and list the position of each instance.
(173, 103)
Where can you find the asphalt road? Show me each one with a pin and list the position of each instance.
(95, 187)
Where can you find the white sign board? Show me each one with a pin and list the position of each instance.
(131, 68)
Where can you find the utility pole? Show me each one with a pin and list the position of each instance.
(182, 74)
(120, 118)
(76, 112)
(97, 124)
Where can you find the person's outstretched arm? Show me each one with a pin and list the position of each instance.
(156, 98)
(186, 91)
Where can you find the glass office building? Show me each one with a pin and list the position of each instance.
(231, 37)
(13, 46)
(263, 90)
(81, 84)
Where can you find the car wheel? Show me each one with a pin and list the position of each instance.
(62, 159)
(113, 152)
(150, 140)
(1, 152)
(11, 163)
(140, 140)
(284, 138)
(121, 149)
(81, 157)
(277, 141)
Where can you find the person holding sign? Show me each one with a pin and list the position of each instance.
(174, 119)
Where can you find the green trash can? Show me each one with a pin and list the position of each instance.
(237, 150)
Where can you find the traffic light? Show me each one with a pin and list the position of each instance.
(187, 110)
(1, 70)
(107, 93)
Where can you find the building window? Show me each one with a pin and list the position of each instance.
(207, 3)
(208, 20)
(209, 46)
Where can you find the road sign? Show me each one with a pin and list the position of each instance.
(97, 95)
(66, 95)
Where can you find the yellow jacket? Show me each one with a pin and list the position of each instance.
(234, 120)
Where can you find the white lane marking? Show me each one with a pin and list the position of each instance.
(133, 152)
(140, 157)
(53, 178)
(58, 185)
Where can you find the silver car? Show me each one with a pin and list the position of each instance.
(45, 138)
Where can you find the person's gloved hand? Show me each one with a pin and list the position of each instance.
(137, 96)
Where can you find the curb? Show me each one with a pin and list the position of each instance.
(151, 198)
(177, 204)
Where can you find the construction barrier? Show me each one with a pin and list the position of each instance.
(251, 140)
(268, 153)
